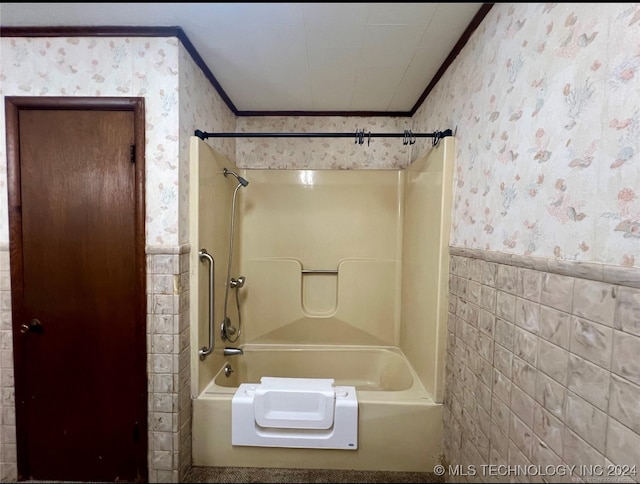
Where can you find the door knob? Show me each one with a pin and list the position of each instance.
(34, 326)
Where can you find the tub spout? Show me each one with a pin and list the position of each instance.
(233, 351)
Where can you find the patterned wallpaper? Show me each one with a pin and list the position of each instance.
(78, 66)
(178, 100)
(545, 103)
(201, 107)
(323, 153)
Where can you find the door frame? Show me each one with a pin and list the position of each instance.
(13, 105)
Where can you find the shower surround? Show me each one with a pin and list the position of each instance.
(333, 275)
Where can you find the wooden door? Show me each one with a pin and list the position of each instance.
(78, 287)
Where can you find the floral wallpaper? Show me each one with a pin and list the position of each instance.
(323, 153)
(201, 107)
(545, 103)
(78, 66)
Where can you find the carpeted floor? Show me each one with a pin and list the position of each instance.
(260, 474)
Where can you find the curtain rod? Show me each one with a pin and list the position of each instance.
(408, 136)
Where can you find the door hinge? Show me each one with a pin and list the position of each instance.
(133, 153)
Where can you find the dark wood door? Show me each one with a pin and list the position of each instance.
(77, 275)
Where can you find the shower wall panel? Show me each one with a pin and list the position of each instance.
(425, 263)
(329, 256)
(341, 221)
(210, 198)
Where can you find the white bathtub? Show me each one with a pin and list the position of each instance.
(400, 426)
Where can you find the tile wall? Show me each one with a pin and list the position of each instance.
(168, 345)
(8, 466)
(542, 367)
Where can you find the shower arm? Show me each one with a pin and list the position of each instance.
(241, 180)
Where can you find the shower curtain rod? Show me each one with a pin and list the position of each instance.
(408, 136)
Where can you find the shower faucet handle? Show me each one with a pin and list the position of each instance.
(237, 283)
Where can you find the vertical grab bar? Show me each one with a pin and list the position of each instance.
(206, 351)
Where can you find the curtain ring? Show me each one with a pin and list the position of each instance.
(436, 138)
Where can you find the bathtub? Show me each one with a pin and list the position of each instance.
(399, 429)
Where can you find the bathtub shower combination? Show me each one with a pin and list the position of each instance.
(339, 319)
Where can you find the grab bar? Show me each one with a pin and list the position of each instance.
(206, 351)
(319, 271)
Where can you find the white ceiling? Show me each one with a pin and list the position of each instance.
(374, 57)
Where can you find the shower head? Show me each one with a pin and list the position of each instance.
(241, 180)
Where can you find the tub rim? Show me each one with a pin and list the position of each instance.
(416, 392)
